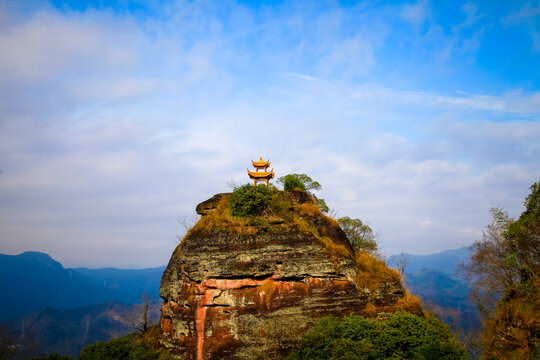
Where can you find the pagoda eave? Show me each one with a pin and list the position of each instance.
(259, 175)
(260, 164)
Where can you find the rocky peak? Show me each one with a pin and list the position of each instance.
(249, 287)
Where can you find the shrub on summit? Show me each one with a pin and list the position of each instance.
(248, 200)
(298, 182)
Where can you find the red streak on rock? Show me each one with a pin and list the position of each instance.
(200, 318)
(168, 326)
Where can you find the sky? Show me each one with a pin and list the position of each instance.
(118, 117)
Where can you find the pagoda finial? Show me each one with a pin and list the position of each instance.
(261, 175)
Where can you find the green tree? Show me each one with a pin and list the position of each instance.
(321, 203)
(492, 268)
(291, 183)
(507, 255)
(249, 200)
(504, 270)
(360, 235)
(400, 335)
(301, 182)
(524, 236)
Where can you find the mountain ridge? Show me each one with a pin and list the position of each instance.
(444, 261)
(33, 279)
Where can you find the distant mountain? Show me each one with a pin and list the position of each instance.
(33, 280)
(128, 284)
(67, 332)
(447, 297)
(445, 261)
(433, 278)
(438, 287)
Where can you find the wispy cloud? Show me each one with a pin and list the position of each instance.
(471, 17)
(529, 17)
(416, 13)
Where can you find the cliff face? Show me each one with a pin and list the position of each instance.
(248, 289)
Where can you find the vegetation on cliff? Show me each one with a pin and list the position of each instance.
(399, 335)
(302, 182)
(359, 234)
(248, 200)
(505, 265)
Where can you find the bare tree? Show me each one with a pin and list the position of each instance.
(399, 262)
(232, 184)
(139, 318)
(187, 223)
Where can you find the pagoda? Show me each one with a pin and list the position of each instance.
(261, 175)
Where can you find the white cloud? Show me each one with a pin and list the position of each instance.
(352, 57)
(416, 13)
(50, 44)
(471, 17)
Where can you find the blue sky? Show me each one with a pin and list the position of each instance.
(117, 118)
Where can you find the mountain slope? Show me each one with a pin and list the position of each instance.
(67, 332)
(438, 287)
(33, 280)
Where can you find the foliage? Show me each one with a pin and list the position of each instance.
(301, 182)
(249, 200)
(514, 331)
(524, 237)
(506, 256)
(505, 265)
(371, 272)
(321, 203)
(399, 336)
(292, 183)
(359, 234)
(491, 269)
(128, 347)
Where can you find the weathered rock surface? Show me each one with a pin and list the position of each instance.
(234, 290)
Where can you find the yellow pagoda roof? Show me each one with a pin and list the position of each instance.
(261, 174)
(261, 163)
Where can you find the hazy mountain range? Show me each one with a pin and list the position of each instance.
(444, 262)
(33, 280)
(434, 279)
